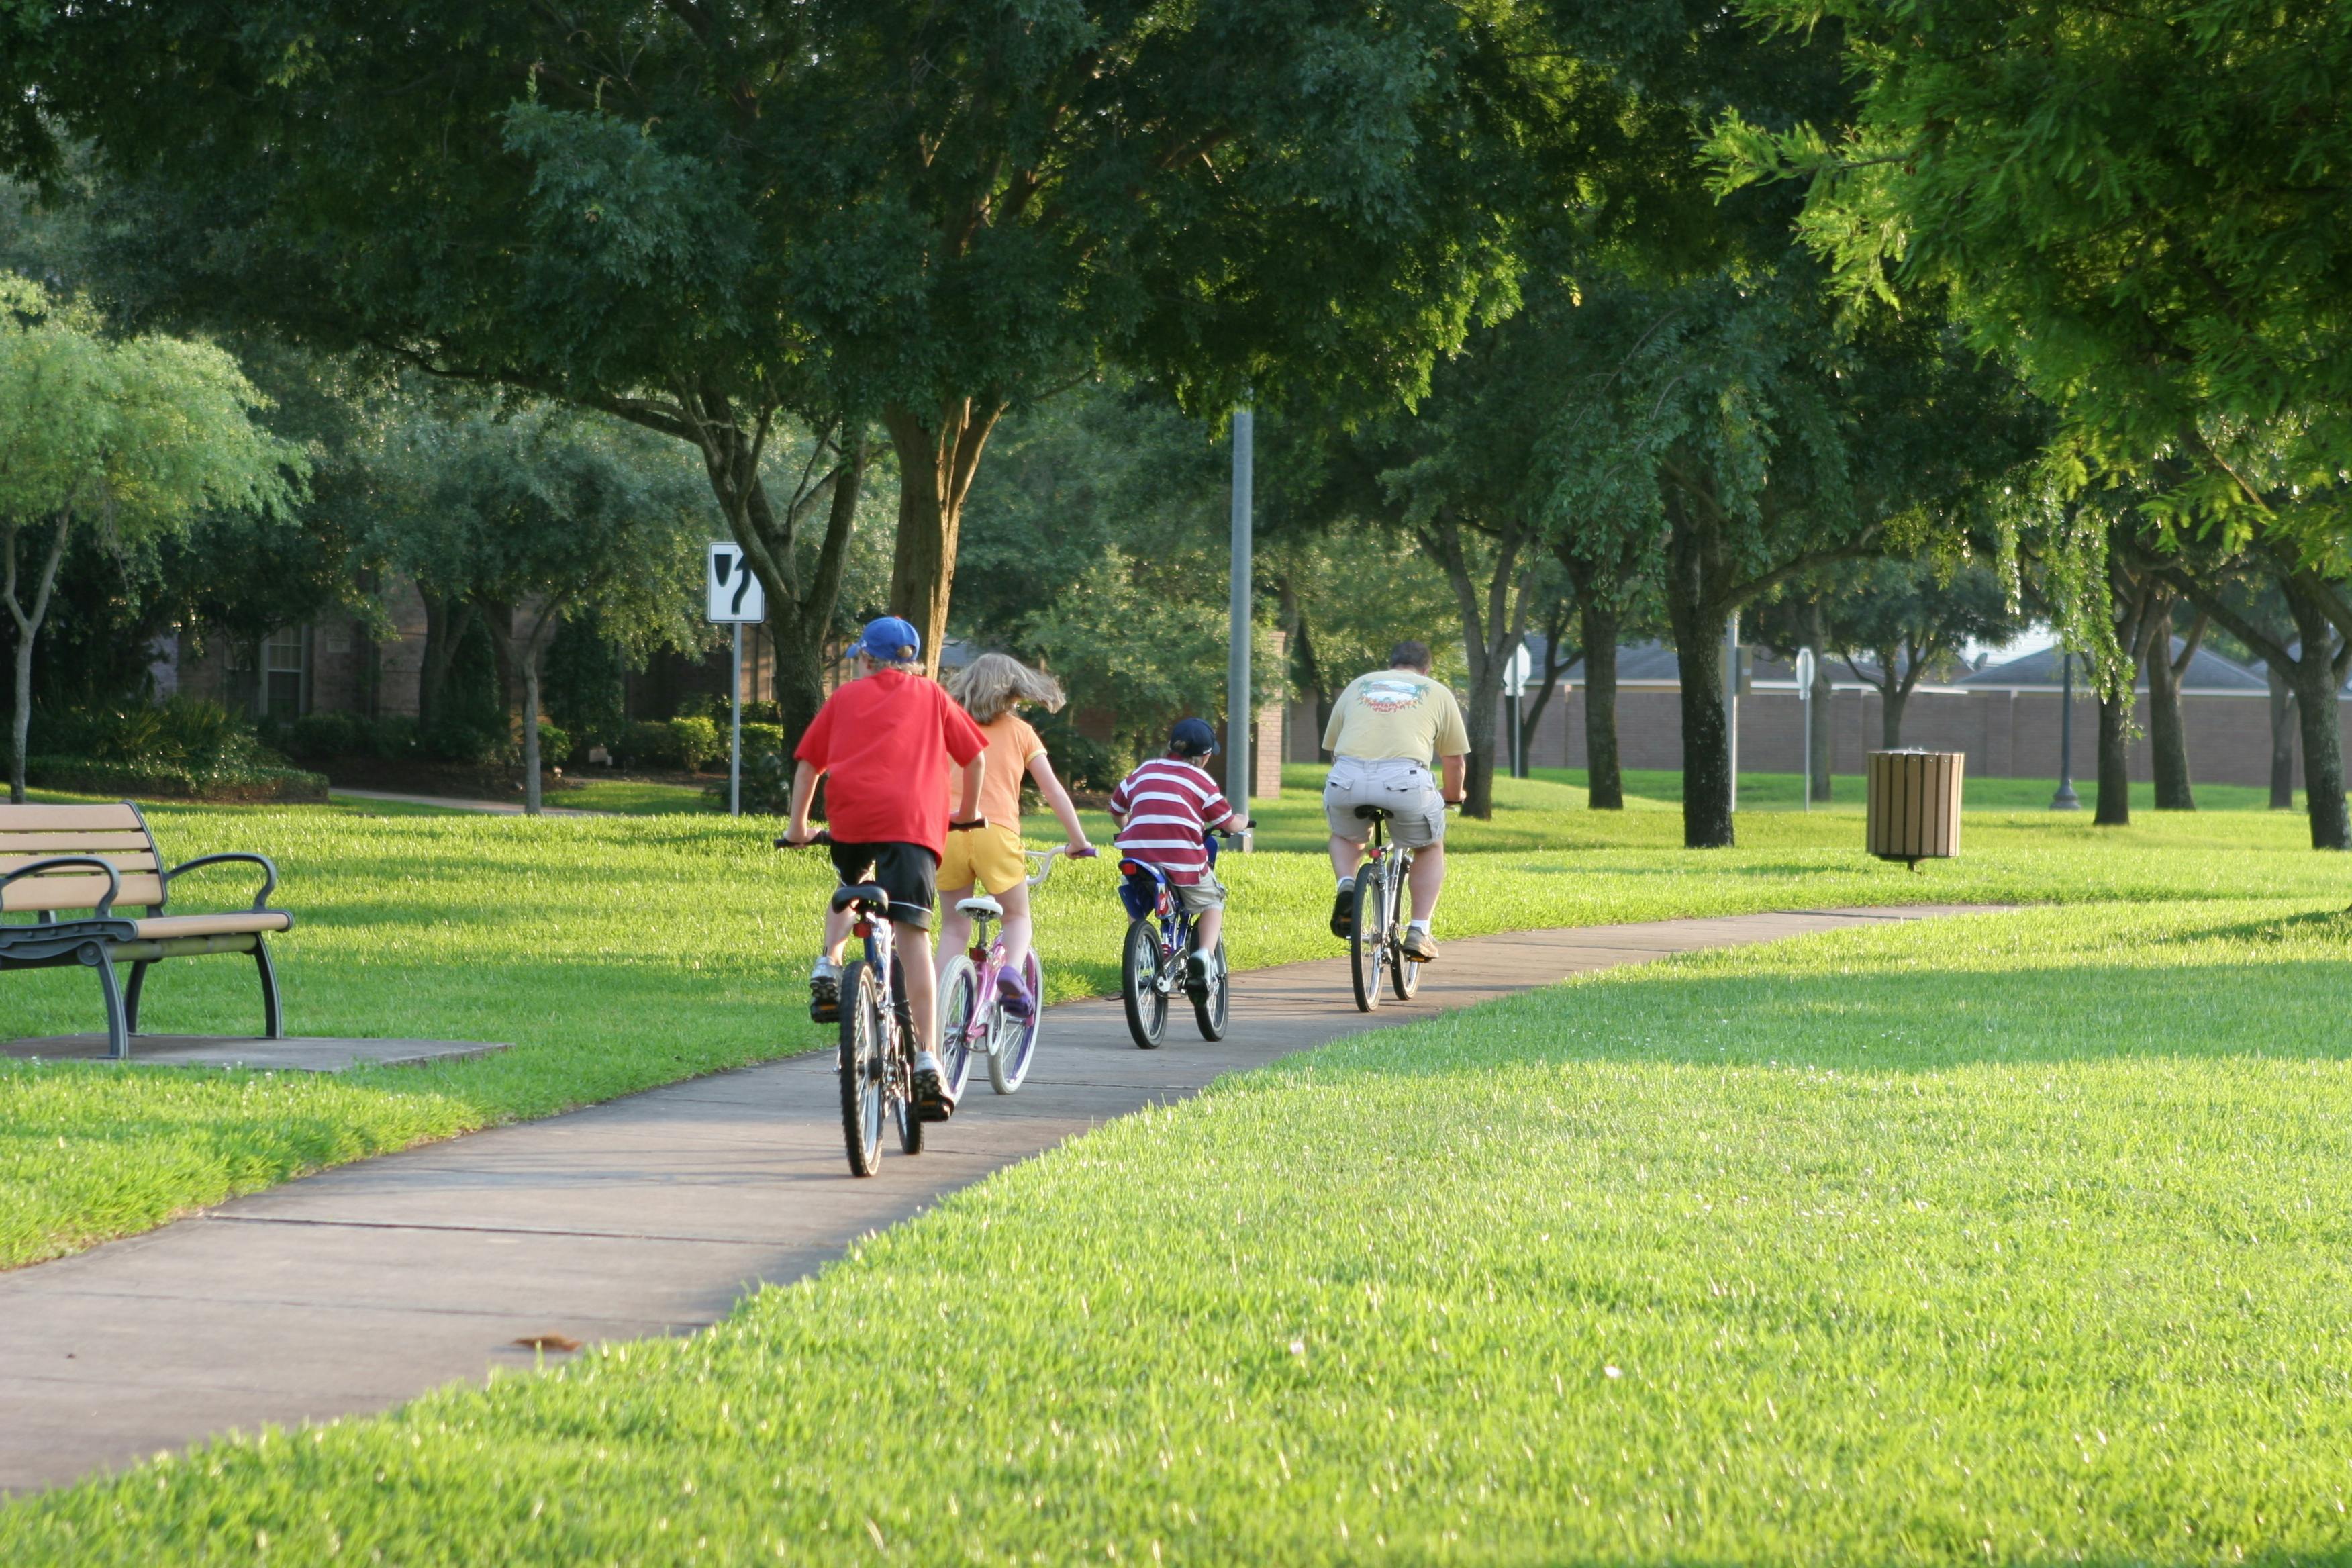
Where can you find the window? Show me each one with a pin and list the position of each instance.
(281, 673)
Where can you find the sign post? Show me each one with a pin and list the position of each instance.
(1240, 715)
(1516, 671)
(1805, 696)
(734, 598)
(1731, 700)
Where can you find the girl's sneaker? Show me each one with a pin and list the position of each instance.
(824, 995)
(1013, 994)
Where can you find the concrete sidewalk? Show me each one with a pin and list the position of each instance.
(360, 1287)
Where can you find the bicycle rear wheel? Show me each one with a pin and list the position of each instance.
(1139, 986)
(958, 998)
(864, 1054)
(1368, 942)
(1211, 1010)
(1017, 1039)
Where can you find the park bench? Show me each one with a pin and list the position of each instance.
(58, 859)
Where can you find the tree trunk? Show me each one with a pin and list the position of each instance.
(500, 617)
(2282, 739)
(1696, 619)
(444, 629)
(1604, 782)
(1817, 762)
(2323, 753)
(530, 790)
(1893, 695)
(28, 630)
(2114, 759)
(1531, 717)
(1491, 632)
(2167, 737)
(936, 460)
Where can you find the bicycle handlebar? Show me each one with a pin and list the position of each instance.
(820, 837)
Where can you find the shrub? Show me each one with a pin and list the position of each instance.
(233, 782)
(554, 745)
(322, 736)
(456, 740)
(647, 743)
(395, 737)
(760, 739)
(180, 731)
(698, 740)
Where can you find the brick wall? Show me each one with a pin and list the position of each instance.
(2004, 734)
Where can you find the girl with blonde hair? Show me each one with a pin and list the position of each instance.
(992, 689)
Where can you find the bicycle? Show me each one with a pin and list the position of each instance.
(973, 1021)
(1152, 965)
(876, 1061)
(1381, 903)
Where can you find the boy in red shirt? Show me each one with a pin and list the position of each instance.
(886, 739)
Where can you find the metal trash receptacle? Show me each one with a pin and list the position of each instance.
(1914, 806)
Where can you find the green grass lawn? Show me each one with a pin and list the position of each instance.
(2021, 1238)
(617, 953)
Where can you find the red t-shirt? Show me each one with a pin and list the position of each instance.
(885, 742)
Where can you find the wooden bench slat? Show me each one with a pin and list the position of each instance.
(125, 860)
(82, 892)
(40, 819)
(97, 839)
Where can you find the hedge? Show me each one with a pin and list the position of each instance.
(234, 783)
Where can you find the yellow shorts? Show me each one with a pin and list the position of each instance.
(990, 856)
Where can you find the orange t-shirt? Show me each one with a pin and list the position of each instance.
(1012, 745)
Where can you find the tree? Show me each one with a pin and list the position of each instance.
(1746, 434)
(1914, 617)
(538, 517)
(134, 435)
(704, 220)
(2138, 204)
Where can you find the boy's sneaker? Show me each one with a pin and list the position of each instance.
(1343, 910)
(1418, 945)
(933, 1102)
(1196, 977)
(824, 995)
(1012, 995)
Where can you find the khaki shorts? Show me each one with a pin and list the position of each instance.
(1199, 898)
(1398, 785)
(990, 856)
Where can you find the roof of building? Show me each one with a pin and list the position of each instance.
(2042, 671)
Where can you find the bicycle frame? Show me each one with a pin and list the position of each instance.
(987, 955)
(1173, 922)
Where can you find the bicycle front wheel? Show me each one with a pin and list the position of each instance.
(1139, 986)
(1367, 941)
(1209, 1011)
(959, 1004)
(1017, 1039)
(863, 1058)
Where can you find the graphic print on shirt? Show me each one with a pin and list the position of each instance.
(1168, 805)
(1390, 694)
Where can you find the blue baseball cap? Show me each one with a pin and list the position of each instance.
(890, 640)
(1192, 738)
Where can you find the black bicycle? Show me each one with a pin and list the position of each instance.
(1152, 965)
(876, 1061)
(1376, 938)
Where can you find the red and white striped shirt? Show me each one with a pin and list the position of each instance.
(1167, 804)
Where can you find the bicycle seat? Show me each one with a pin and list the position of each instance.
(1373, 813)
(980, 907)
(866, 896)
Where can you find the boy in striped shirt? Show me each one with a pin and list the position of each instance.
(1164, 809)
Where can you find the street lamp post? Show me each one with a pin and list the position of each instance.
(1238, 712)
(2066, 799)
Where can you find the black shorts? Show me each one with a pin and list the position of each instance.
(907, 872)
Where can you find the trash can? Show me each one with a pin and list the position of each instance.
(1914, 806)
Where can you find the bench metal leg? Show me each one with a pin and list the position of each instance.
(118, 1033)
(273, 1017)
(131, 996)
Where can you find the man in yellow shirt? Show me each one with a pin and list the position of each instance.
(1384, 729)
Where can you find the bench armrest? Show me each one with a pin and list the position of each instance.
(113, 877)
(269, 874)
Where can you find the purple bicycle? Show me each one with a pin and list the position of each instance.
(973, 1022)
